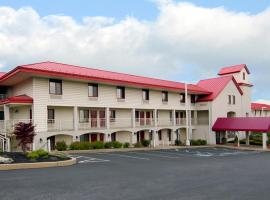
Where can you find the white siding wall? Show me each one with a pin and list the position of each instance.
(23, 88)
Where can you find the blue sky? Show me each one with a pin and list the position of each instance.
(158, 38)
(142, 9)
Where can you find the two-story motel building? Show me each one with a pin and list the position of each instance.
(70, 103)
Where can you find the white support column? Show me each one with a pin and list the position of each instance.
(264, 140)
(75, 118)
(173, 118)
(6, 116)
(195, 117)
(133, 138)
(154, 135)
(107, 115)
(173, 136)
(8, 145)
(155, 118)
(247, 138)
(133, 117)
(49, 145)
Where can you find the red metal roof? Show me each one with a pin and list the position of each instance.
(2, 74)
(216, 85)
(260, 106)
(85, 73)
(233, 69)
(256, 124)
(17, 99)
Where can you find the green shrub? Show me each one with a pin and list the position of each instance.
(108, 145)
(177, 142)
(80, 146)
(198, 142)
(138, 145)
(224, 140)
(126, 145)
(32, 155)
(146, 143)
(117, 145)
(202, 142)
(61, 146)
(97, 145)
(37, 154)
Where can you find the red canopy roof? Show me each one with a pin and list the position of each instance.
(257, 124)
(17, 99)
(233, 69)
(260, 106)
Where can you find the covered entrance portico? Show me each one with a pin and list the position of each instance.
(244, 124)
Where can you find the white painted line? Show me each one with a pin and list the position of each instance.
(156, 155)
(125, 156)
(179, 154)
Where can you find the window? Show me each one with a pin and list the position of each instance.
(55, 86)
(120, 91)
(229, 99)
(244, 76)
(164, 96)
(234, 100)
(193, 98)
(84, 116)
(112, 115)
(92, 90)
(137, 115)
(145, 94)
(182, 98)
(51, 116)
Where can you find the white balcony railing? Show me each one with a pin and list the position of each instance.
(60, 125)
(181, 121)
(164, 122)
(88, 124)
(121, 123)
(144, 122)
(8, 125)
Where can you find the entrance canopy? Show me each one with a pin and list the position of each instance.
(256, 124)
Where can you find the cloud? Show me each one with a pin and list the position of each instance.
(184, 43)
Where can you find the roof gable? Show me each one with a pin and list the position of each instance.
(233, 69)
(216, 86)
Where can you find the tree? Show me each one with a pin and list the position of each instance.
(25, 133)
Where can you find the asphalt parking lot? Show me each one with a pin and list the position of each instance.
(202, 173)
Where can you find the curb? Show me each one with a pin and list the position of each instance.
(38, 165)
(244, 148)
(133, 149)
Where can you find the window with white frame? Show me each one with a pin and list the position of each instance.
(120, 92)
(55, 87)
(92, 90)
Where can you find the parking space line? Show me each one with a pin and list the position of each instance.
(177, 153)
(155, 155)
(124, 156)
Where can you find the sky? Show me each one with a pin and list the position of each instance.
(168, 39)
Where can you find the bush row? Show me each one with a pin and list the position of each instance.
(198, 142)
(192, 142)
(62, 146)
